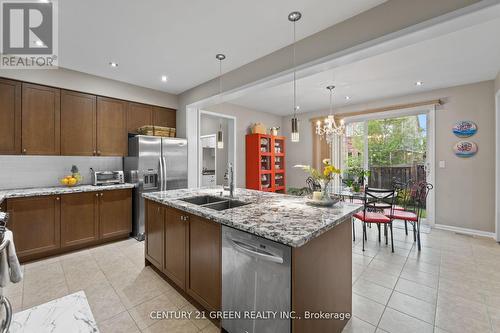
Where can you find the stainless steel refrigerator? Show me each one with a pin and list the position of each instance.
(154, 164)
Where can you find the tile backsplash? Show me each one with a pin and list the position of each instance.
(41, 171)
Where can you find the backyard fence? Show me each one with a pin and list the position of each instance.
(382, 176)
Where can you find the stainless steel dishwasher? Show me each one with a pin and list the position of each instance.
(256, 279)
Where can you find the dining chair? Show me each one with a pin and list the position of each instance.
(402, 197)
(415, 207)
(376, 203)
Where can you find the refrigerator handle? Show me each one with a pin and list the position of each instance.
(160, 161)
(164, 173)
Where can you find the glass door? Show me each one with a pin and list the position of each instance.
(378, 151)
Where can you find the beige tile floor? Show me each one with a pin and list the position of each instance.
(453, 285)
(120, 290)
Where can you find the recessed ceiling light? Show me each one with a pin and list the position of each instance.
(164, 78)
(113, 64)
(347, 98)
(419, 83)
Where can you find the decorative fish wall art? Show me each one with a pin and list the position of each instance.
(465, 149)
(465, 129)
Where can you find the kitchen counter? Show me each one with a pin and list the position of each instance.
(40, 191)
(282, 218)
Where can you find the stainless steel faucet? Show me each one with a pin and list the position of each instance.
(230, 177)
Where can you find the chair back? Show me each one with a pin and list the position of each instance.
(312, 184)
(377, 199)
(403, 191)
(418, 197)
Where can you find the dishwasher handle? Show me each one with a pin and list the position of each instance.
(256, 252)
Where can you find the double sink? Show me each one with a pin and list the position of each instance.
(215, 203)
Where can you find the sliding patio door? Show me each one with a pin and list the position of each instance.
(396, 147)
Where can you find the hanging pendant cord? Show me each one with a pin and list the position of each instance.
(294, 75)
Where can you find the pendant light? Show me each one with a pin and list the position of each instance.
(294, 17)
(330, 128)
(220, 135)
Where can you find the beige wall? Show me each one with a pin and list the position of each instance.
(73, 80)
(244, 119)
(465, 189)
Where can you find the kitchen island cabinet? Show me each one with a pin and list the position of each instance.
(204, 264)
(318, 266)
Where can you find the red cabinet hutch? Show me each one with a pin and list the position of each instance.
(265, 163)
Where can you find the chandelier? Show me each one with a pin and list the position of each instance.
(329, 128)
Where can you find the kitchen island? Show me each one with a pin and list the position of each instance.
(185, 232)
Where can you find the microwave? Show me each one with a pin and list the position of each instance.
(102, 178)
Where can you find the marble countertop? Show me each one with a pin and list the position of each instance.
(39, 191)
(67, 314)
(279, 217)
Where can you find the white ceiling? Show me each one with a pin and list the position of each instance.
(465, 56)
(180, 38)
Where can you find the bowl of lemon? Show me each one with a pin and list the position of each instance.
(72, 180)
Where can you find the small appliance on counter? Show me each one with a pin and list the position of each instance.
(103, 178)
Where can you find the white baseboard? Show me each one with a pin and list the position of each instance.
(466, 231)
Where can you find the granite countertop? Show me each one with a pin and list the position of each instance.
(40, 191)
(279, 217)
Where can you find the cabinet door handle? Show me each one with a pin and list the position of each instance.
(95, 152)
(158, 209)
(102, 194)
(57, 198)
(24, 151)
(98, 152)
(97, 194)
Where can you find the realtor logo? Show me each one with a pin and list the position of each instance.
(29, 34)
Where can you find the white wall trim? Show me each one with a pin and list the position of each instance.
(231, 128)
(497, 166)
(472, 232)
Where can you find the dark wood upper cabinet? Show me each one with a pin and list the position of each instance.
(176, 223)
(115, 213)
(111, 127)
(35, 223)
(78, 124)
(10, 117)
(41, 117)
(163, 117)
(79, 219)
(204, 280)
(138, 115)
(155, 216)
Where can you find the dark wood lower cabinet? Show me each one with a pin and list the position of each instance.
(190, 248)
(155, 232)
(176, 223)
(35, 223)
(47, 225)
(115, 213)
(79, 219)
(204, 262)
